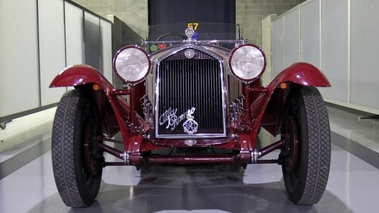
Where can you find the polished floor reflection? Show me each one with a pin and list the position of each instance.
(27, 183)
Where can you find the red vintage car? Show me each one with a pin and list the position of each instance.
(191, 96)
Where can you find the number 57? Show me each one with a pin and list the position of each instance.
(193, 25)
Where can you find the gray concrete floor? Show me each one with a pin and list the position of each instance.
(27, 183)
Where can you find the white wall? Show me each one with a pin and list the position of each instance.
(339, 37)
(277, 57)
(74, 35)
(364, 53)
(39, 38)
(106, 41)
(291, 37)
(266, 47)
(310, 32)
(19, 69)
(335, 49)
(51, 31)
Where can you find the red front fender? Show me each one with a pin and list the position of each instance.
(303, 74)
(79, 75)
(269, 102)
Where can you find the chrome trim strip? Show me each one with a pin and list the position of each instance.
(194, 42)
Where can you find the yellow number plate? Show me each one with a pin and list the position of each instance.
(193, 25)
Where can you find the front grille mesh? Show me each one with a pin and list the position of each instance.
(187, 83)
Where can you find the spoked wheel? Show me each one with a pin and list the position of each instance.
(306, 154)
(76, 158)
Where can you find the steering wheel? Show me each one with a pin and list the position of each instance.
(181, 35)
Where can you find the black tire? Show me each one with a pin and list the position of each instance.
(306, 155)
(77, 162)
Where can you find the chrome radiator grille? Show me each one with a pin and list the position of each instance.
(186, 84)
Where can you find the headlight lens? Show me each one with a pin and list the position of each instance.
(247, 62)
(132, 64)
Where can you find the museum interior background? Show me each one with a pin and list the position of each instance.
(42, 37)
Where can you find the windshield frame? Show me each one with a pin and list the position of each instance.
(204, 31)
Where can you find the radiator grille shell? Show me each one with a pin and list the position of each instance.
(184, 84)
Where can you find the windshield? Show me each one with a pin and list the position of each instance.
(204, 31)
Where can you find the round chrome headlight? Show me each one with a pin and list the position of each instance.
(247, 62)
(131, 64)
